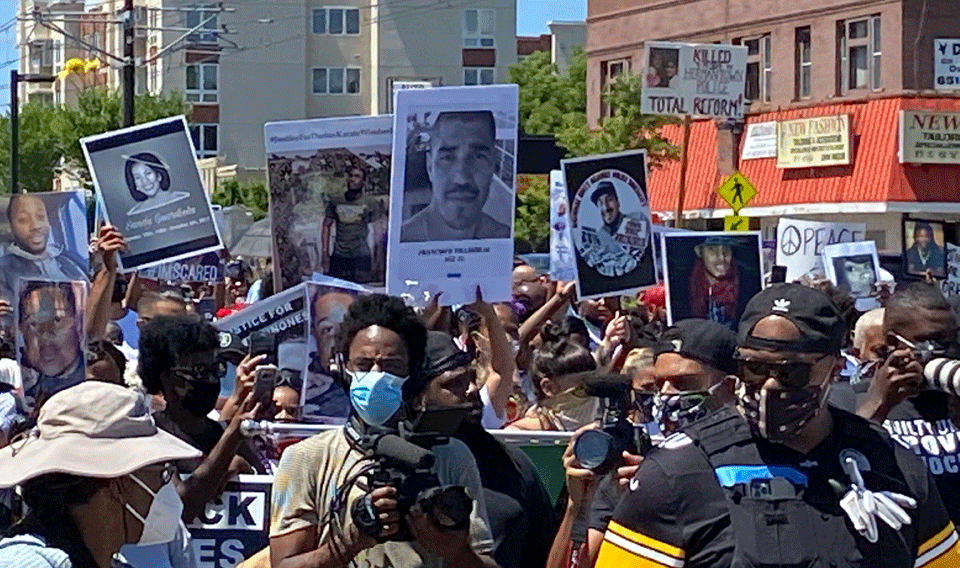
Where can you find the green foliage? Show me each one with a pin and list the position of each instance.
(532, 220)
(39, 153)
(252, 195)
(548, 98)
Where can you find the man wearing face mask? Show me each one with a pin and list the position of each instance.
(381, 344)
(783, 479)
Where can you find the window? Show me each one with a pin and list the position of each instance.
(336, 21)
(803, 63)
(207, 19)
(202, 82)
(336, 80)
(479, 28)
(759, 68)
(859, 54)
(610, 70)
(41, 54)
(478, 76)
(205, 139)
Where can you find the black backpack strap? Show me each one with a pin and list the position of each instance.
(719, 431)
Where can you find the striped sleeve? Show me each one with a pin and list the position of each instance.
(623, 547)
(940, 551)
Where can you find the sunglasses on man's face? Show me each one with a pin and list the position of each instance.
(791, 374)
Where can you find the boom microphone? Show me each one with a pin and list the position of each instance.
(410, 455)
(943, 375)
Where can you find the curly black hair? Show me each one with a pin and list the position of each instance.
(558, 356)
(164, 339)
(389, 312)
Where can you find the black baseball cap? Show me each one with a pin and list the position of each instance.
(812, 311)
(702, 340)
(603, 188)
(442, 355)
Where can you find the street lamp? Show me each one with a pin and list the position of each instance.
(15, 80)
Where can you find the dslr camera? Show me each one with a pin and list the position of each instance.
(402, 459)
(941, 368)
(600, 450)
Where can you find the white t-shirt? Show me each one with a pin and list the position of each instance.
(489, 419)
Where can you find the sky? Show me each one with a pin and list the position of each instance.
(532, 18)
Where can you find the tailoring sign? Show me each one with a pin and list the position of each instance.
(814, 142)
(929, 137)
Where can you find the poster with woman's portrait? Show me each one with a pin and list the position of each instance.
(329, 195)
(855, 269)
(924, 248)
(610, 223)
(148, 183)
(711, 275)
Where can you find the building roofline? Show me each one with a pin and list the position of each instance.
(851, 208)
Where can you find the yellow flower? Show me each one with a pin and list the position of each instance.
(91, 65)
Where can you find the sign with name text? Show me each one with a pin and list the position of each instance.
(814, 142)
(929, 137)
(684, 79)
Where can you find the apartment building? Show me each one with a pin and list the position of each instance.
(246, 62)
(868, 59)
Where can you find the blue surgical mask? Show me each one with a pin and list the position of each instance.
(375, 395)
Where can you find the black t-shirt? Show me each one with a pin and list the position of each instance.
(204, 441)
(923, 424)
(683, 510)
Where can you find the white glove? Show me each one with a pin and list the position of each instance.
(864, 506)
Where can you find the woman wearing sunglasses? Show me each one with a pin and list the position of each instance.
(97, 475)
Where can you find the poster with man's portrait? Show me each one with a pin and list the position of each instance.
(924, 248)
(50, 345)
(452, 193)
(149, 185)
(323, 399)
(610, 223)
(711, 275)
(42, 235)
(329, 196)
(855, 269)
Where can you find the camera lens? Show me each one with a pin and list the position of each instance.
(592, 449)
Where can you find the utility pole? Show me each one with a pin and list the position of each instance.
(129, 65)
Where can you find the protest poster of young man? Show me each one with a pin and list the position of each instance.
(149, 186)
(854, 268)
(452, 193)
(610, 223)
(711, 275)
(329, 188)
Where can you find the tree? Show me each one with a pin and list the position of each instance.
(252, 195)
(531, 222)
(546, 96)
(39, 152)
(100, 110)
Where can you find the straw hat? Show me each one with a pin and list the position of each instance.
(94, 429)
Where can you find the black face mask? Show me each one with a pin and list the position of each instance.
(200, 398)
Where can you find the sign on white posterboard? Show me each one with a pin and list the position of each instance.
(800, 243)
(683, 79)
(854, 268)
(562, 263)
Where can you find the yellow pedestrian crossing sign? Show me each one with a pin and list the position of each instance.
(736, 223)
(737, 191)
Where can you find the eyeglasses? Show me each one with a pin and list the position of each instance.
(396, 367)
(202, 373)
(792, 374)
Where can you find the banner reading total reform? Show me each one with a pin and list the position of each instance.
(694, 79)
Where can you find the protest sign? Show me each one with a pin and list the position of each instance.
(610, 223)
(50, 342)
(711, 275)
(800, 243)
(946, 64)
(855, 269)
(202, 268)
(42, 234)
(148, 182)
(929, 137)
(235, 525)
(694, 79)
(950, 286)
(923, 248)
(561, 247)
(452, 193)
(329, 182)
(760, 141)
(814, 142)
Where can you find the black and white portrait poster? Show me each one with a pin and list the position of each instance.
(452, 193)
(329, 193)
(711, 275)
(854, 268)
(42, 235)
(148, 181)
(924, 248)
(324, 400)
(49, 335)
(610, 223)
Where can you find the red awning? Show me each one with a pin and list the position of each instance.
(875, 175)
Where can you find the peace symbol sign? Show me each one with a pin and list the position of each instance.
(790, 243)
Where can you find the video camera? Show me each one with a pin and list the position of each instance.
(940, 371)
(403, 460)
(599, 450)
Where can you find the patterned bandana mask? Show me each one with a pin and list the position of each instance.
(780, 414)
(675, 411)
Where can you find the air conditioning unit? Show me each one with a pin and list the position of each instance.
(140, 32)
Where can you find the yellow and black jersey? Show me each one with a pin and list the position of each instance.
(718, 496)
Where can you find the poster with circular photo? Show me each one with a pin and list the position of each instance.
(610, 223)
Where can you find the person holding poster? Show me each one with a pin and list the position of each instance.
(460, 165)
(33, 254)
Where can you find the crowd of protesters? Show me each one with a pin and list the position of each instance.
(808, 436)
